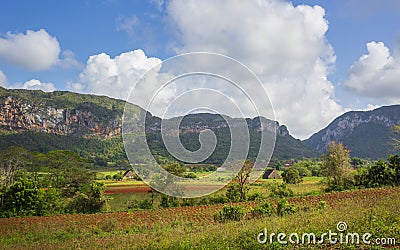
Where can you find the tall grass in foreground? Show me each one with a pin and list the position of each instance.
(376, 211)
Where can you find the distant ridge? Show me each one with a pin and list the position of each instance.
(366, 133)
(91, 125)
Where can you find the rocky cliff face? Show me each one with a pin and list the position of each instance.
(367, 125)
(83, 118)
(19, 115)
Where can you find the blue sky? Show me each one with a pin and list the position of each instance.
(78, 30)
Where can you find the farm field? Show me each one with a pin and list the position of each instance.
(194, 227)
(121, 193)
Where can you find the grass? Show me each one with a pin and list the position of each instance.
(120, 193)
(376, 211)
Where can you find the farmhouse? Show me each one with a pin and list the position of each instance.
(288, 163)
(129, 174)
(271, 174)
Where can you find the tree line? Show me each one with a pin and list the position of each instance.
(57, 182)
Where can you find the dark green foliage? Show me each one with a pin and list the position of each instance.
(11, 160)
(51, 203)
(380, 174)
(22, 198)
(257, 196)
(169, 201)
(361, 177)
(140, 204)
(394, 164)
(230, 213)
(233, 192)
(218, 199)
(280, 191)
(291, 176)
(285, 208)
(92, 202)
(93, 149)
(191, 175)
(265, 209)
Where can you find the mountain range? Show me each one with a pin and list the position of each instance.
(366, 133)
(92, 125)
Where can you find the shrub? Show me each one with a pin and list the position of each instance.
(169, 201)
(280, 191)
(191, 176)
(142, 204)
(284, 207)
(322, 205)
(291, 176)
(257, 196)
(91, 203)
(230, 213)
(233, 192)
(22, 198)
(265, 209)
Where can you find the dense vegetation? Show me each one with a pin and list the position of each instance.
(108, 110)
(45, 184)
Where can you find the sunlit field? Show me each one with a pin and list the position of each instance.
(194, 227)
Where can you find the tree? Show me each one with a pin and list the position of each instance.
(11, 160)
(380, 174)
(67, 170)
(91, 202)
(292, 176)
(336, 166)
(242, 178)
(22, 198)
(233, 192)
(394, 164)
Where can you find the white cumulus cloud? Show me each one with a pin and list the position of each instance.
(68, 60)
(284, 45)
(35, 84)
(114, 76)
(34, 50)
(376, 74)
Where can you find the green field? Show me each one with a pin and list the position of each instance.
(194, 228)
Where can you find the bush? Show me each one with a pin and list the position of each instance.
(142, 204)
(322, 205)
(22, 198)
(280, 191)
(292, 176)
(265, 209)
(284, 207)
(88, 203)
(256, 197)
(233, 192)
(169, 201)
(191, 176)
(230, 213)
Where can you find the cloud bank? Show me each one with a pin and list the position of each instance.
(114, 77)
(376, 75)
(34, 50)
(284, 45)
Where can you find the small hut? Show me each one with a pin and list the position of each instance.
(271, 174)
